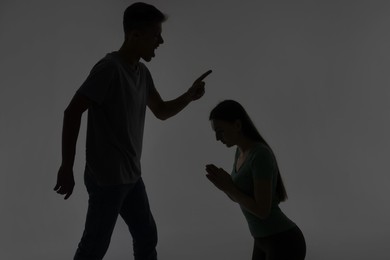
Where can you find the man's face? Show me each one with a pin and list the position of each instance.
(149, 40)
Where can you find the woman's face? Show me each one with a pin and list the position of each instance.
(226, 132)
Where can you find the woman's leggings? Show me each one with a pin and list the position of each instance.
(288, 245)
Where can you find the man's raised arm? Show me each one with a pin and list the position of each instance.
(166, 109)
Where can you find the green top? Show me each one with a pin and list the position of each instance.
(260, 164)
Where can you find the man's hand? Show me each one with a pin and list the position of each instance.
(65, 182)
(197, 89)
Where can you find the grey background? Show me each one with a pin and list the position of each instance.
(313, 75)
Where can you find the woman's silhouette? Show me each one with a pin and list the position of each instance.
(255, 184)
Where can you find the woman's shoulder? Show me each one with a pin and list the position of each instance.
(262, 152)
(261, 148)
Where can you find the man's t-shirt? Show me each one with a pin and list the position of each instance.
(116, 119)
(260, 164)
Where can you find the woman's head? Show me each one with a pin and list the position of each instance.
(230, 121)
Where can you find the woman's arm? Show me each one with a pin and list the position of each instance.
(259, 205)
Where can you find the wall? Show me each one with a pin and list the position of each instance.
(311, 74)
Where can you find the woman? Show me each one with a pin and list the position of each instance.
(255, 184)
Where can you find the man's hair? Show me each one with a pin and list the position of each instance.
(140, 15)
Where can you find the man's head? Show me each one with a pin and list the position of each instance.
(142, 28)
(139, 16)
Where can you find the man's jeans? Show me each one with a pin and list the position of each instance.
(105, 204)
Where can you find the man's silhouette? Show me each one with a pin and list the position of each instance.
(116, 93)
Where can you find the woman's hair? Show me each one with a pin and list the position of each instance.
(140, 15)
(230, 111)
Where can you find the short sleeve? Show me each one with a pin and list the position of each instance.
(263, 164)
(99, 81)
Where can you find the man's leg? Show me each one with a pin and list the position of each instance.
(103, 209)
(137, 215)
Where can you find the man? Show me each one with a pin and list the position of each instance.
(116, 94)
